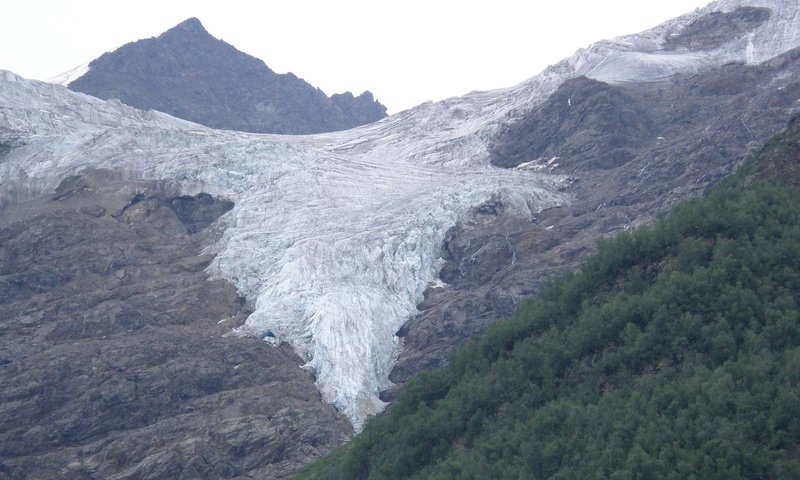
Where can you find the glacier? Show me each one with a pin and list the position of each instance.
(334, 237)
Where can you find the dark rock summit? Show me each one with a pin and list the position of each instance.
(188, 73)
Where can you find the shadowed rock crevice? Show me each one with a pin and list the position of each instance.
(176, 215)
(8, 142)
(199, 211)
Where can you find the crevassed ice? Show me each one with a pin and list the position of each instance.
(334, 237)
(352, 237)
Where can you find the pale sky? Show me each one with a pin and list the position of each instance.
(404, 52)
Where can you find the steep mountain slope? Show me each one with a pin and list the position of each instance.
(114, 358)
(631, 148)
(672, 353)
(190, 74)
(338, 240)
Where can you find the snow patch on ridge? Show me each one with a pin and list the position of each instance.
(70, 76)
(641, 57)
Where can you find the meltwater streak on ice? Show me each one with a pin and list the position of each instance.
(334, 237)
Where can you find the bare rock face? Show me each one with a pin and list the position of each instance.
(189, 74)
(584, 118)
(115, 354)
(632, 151)
(716, 28)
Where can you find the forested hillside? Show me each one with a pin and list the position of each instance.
(673, 353)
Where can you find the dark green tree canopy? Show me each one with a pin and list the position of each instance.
(672, 353)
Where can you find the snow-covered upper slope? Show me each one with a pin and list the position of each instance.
(334, 237)
(70, 75)
(642, 57)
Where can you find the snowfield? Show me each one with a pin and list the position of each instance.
(334, 237)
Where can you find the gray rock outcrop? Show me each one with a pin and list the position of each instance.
(116, 358)
(189, 74)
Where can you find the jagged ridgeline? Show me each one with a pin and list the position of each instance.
(188, 73)
(672, 353)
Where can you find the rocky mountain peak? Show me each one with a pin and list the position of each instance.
(188, 73)
(190, 29)
(190, 25)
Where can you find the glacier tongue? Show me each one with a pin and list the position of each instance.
(352, 237)
(334, 237)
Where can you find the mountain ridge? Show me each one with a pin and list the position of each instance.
(188, 73)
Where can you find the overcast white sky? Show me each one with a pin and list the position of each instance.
(405, 52)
